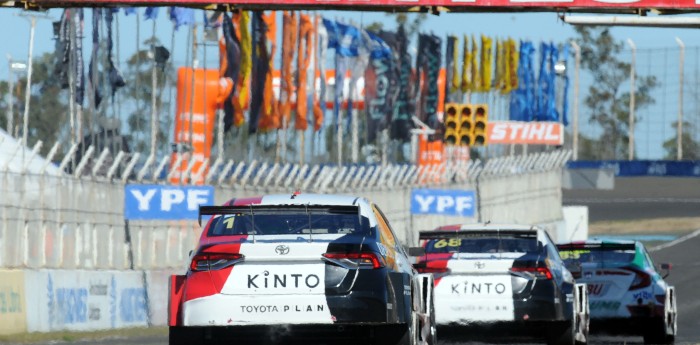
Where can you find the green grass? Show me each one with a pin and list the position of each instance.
(66, 336)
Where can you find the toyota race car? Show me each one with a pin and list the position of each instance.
(490, 277)
(297, 268)
(627, 294)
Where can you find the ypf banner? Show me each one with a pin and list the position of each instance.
(516, 132)
(446, 202)
(159, 202)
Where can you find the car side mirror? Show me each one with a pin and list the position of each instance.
(416, 251)
(667, 270)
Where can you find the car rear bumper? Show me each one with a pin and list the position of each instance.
(245, 310)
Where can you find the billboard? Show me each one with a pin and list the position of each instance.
(516, 132)
(445, 202)
(161, 202)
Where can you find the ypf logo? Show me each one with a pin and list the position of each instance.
(282, 249)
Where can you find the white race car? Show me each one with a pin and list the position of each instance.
(491, 277)
(298, 268)
(627, 294)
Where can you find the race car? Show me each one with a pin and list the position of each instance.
(495, 277)
(300, 268)
(627, 294)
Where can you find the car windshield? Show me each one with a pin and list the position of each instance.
(286, 224)
(504, 244)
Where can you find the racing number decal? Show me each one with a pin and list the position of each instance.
(572, 254)
(452, 242)
(229, 222)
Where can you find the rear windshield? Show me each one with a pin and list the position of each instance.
(287, 224)
(596, 255)
(509, 244)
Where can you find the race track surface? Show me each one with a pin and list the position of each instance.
(640, 198)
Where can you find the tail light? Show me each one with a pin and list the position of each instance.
(366, 260)
(641, 278)
(536, 272)
(214, 261)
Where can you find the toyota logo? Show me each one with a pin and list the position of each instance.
(479, 265)
(282, 249)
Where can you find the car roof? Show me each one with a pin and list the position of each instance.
(488, 227)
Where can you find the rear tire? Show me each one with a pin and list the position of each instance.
(562, 333)
(184, 336)
(656, 333)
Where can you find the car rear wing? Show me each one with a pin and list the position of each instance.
(597, 246)
(279, 209)
(432, 235)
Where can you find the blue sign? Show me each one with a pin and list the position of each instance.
(160, 202)
(447, 202)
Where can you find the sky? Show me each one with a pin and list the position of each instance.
(524, 26)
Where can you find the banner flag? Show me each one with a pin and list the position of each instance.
(499, 76)
(289, 36)
(181, 16)
(322, 47)
(450, 66)
(260, 69)
(428, 71)
(523, 99)
(304, 51)
(486, 63)
(377, 85)
(230, 55)
(94, 77)
(402, 124)
(345, 39)
(242, 90)
(270, 116)
(564, 97)
(151, 13)
(116, 80)
(317, 107)
(474, 66)
(466, 84)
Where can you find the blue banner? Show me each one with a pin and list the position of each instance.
(162, 202)
(447, 202)
(642, 168)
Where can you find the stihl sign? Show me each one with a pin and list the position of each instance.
(513, 132)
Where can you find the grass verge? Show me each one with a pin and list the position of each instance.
(68, 337)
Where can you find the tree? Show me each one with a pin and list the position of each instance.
(48, 111)
(691, 148)
(607, 101)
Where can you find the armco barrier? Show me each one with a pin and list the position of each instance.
(13, 309)
(80, 300)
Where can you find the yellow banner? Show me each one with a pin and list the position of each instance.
(13, 308)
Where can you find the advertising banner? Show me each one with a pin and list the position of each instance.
(159, 202)
(516, 132)
(85, 300)
(446, 202)
(13, 309)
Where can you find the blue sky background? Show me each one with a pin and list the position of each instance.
(657, 53)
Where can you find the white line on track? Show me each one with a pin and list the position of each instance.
(676, 241)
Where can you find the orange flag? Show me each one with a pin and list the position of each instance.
(318, 112)
(269, 119)
(304, 51)
(289, 36)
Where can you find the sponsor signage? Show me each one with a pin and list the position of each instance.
(503, 4)
(160, 202)
(516, 132)
(448, 202)
(13, 310)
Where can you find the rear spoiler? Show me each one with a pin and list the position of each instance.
(431, 235)
(252, 209)
(600, 246)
